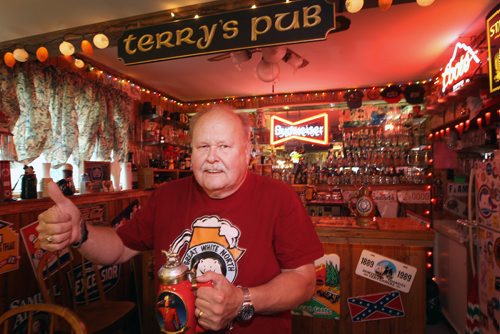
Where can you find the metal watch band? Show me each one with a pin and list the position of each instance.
(83, 236)
(247, 310)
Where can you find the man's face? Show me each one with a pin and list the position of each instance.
(220, 153)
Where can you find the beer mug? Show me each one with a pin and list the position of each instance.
(175, 308)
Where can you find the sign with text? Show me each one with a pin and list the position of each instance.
(110, 275)
(414, 196)
(93, 213)
(461, 66)
(284, 23)
(493, 37)
(385, 271)
(312, 130)
(458, 189)
(9, 247)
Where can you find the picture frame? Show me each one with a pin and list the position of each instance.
(97, 171)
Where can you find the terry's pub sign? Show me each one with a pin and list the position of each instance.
(312, 130)
(285, 23)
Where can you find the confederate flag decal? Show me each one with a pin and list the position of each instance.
(376, 306)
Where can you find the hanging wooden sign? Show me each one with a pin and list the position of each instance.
(284, 23)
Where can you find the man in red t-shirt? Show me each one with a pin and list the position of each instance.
(248, 234)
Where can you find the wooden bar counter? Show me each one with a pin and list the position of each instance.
(401, 239)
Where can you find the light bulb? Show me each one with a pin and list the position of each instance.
(87, 48)
(425, 3)
(8, 59)
(20, 55)
(66, 48)
(79, 63)
(42, 54)
(267, 72)
(101, 41)
(354, 6)
(384, 4)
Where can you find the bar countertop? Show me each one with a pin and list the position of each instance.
(393, 231)
(25, 205)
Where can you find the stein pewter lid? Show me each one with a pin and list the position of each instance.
(172, 271)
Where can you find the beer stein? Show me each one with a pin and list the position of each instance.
(175, 309)
(362, 206)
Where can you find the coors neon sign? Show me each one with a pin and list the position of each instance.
(458, 69)
(312, 130)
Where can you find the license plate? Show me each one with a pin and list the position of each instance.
(385, 271)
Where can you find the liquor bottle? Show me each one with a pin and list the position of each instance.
(135, 171)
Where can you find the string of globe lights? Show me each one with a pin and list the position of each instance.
(354, 6)
(66, 48)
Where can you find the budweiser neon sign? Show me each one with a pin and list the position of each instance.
(457, 69)
(312, 129)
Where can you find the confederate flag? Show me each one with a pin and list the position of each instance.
(376, 306)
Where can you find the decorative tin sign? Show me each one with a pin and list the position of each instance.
(93, 214)
(414, 196)
(385, 271)
(326, 300)
(35, 252)
(110, 276)
(9, 248)
(283, 23)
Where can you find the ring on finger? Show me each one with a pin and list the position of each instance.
(49, 238)
(200, 314)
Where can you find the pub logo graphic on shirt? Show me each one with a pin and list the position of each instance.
(212, 245)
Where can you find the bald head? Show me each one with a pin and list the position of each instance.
(223, 111)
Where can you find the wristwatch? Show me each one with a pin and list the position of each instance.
(83, 236)
(247, 310)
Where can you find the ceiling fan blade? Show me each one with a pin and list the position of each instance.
(220, 57)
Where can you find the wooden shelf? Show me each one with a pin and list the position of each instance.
(150, 178)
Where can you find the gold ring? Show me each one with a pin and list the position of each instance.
(200, 314)
(50, 238)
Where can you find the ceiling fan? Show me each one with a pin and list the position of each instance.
(268, 68)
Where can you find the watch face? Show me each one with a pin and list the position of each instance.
(247, 312)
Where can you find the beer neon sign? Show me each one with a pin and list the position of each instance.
(312, 130)
(456, 70)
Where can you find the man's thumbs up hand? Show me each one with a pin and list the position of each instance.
(58, 226)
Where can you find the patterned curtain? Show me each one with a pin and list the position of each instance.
(63, 126)
(122, 109)
(60, 113)
(9, 105)
(89, 109)
(32, 129)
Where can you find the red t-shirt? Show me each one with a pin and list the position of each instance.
(248, 237)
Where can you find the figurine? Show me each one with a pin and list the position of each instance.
(28, 183)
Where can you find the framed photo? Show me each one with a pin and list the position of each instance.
(98, 171)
